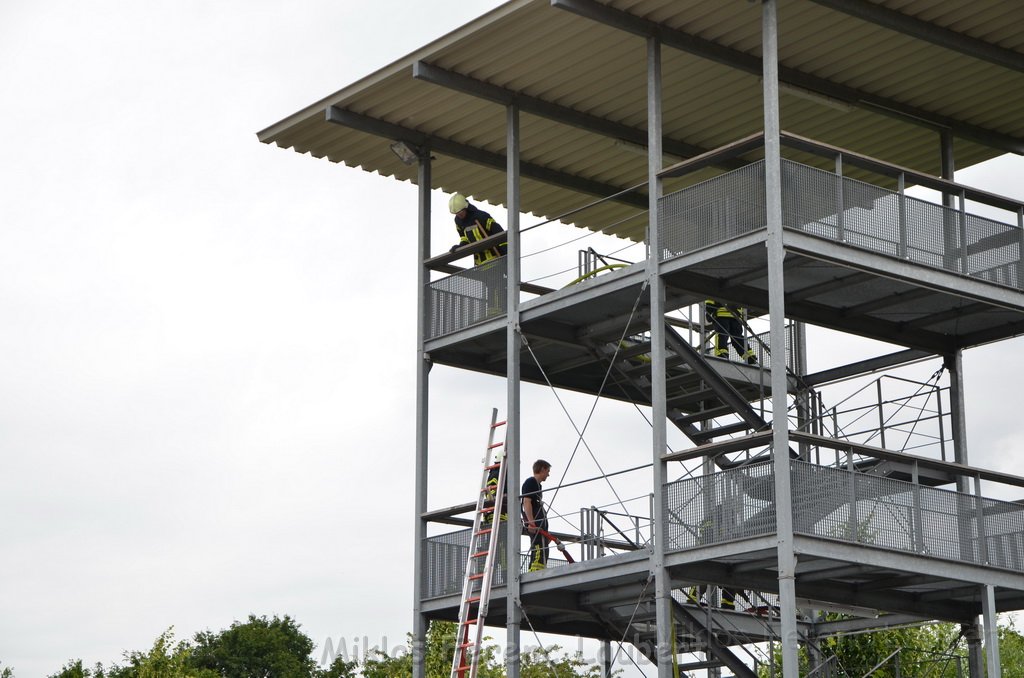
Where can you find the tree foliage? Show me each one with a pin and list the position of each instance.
(911, 652)
(257, 648)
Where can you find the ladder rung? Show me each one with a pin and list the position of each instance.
(474, 599)
(488, 509)
(462, 669)
(499, 423)
(486, 530)
(477, 555)
(476, 576)
(488, 468)
(468, 622)
(465, 645)
(492, 446)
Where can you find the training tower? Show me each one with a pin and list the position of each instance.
(760, 153)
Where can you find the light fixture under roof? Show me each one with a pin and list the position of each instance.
(406, 153)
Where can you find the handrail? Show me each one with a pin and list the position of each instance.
(762, 438)
(867, 162)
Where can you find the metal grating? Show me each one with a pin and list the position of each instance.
(847, 211)
(849, 506)
(712, 211)
(466, 298)
(719, 507)
(871, 218)
(445, 557)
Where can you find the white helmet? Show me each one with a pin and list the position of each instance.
(457, 203)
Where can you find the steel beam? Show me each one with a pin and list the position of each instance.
(991, 631)
(545, 109)
(420, 466)
(659, 432)
(747, 63)
(390, 130)
(786, 580)
(927, 31)
(513, 425)
(865, 366)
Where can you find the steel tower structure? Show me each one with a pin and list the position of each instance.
(535, 106)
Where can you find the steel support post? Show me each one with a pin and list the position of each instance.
(991, 632)
(419, 622)
(958, 414)
(975, 656)
(656, 289)
(777, 324)
(513, 342)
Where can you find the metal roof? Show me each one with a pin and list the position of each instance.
(880, 77)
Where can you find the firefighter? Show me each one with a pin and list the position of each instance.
(474, 225)
(534, 516)
(728, 327)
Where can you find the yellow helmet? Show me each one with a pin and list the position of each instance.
(457, 203)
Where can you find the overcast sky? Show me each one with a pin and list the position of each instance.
(207, 345)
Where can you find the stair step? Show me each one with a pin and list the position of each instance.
(728, 429)
(703, 415)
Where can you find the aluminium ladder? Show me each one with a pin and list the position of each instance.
(483, 545)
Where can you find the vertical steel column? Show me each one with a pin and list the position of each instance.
(513, 342)
(419, 622)
(988, 613)
(1020, 249)
(958, 414)
(659, 414)
(902, 185)
(777, 324)
(975, 655)
(840, 206)
(948, 169)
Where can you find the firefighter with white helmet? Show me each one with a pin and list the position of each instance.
(473, 225)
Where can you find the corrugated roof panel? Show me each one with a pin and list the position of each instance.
(572, 61)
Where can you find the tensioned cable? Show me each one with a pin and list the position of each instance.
(543, 650)
(639, 600)
(588, 206)
(597, 399)
(585, 235)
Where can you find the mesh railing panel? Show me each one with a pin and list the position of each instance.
(719, 507)
(445, 563)
(445, 558)
(1004, 534)
(844, 210)
(465, 298)
(714, 210)
(993, 251)
(879, 220)
(849, 506)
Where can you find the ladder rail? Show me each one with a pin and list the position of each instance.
(467, 653)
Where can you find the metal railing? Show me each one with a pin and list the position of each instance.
(848, 506)
(890, 412)
(854, 213)
(466, 298)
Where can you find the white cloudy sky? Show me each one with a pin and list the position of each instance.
(206, 348)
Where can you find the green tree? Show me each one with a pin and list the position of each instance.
(73, 669)
(6, 672)
(257, 648)
(545, 663)
(166, 659)
(440, 651)
(910, 652)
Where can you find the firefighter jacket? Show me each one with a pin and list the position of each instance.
(714, 309)
(476, 226)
